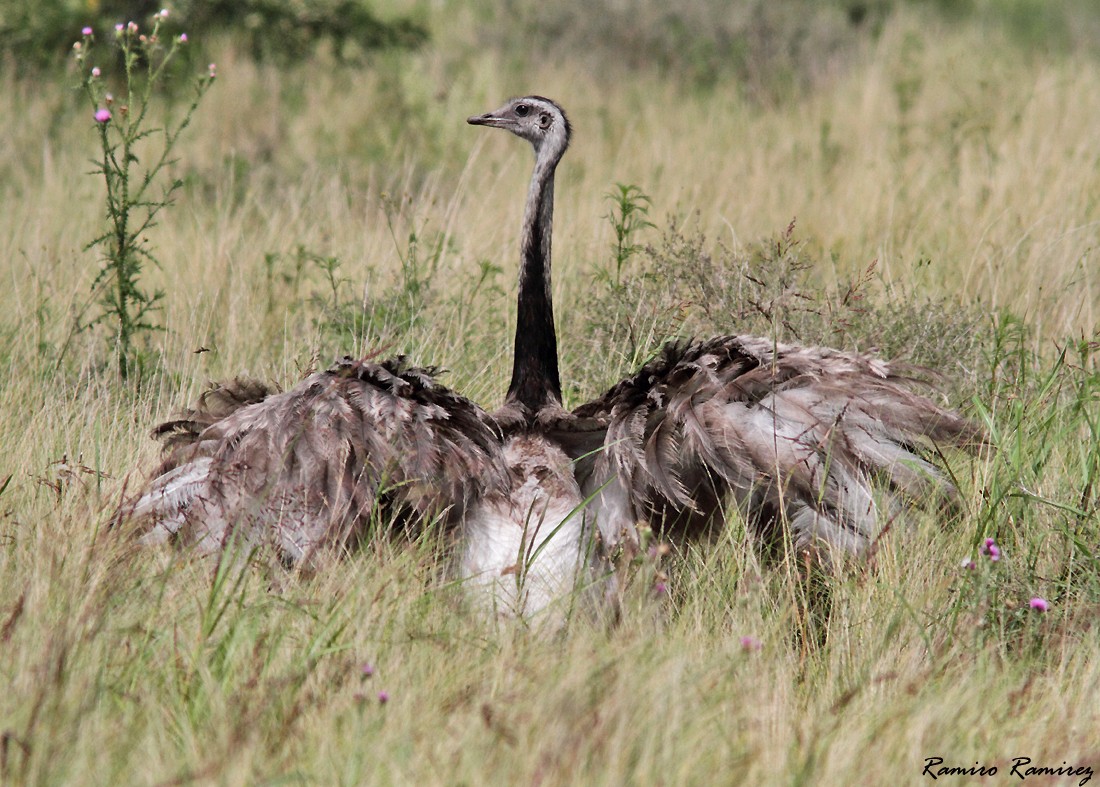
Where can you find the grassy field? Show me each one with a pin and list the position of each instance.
(944, 183)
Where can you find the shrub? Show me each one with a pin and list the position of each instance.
(681, 287)
(35, 35)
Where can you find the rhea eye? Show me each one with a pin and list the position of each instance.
(522, 110)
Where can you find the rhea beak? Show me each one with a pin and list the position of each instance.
(488, 119)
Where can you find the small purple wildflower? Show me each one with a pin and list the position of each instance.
(131, 27)
(368, 670)
(163, 14)
(95, 71)
(750, 643)
(383, 697)
(660, 588)
(119, 28)
(969, 563)
(1039, 604)
(87, 31)
(102, 115)
(991, 550)
(657, 550)
(212, 70)
(183, 38)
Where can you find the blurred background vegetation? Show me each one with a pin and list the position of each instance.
(40, 34)
(906, 136)
(771, 48)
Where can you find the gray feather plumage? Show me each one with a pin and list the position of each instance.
(306, 468)
(813, 439)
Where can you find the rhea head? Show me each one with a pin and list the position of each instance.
(538, 120)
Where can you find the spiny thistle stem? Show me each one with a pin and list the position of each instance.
(130, 212)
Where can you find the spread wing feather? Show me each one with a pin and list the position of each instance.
(307, 468)
(825, 444)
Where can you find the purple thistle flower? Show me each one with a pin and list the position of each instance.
(95, 71)
(368, 670)
(131, 27)
(991, 550)
(119, 28)
(183, 38)
(660, 588)
(1039, 604)
(102, 115)
(383, 697)
(87, 31)
(969, 563)
(750, 643)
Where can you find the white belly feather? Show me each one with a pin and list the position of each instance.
(529, 551)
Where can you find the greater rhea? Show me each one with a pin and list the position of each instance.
(816, 446)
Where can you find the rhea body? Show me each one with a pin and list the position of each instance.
(816, 446)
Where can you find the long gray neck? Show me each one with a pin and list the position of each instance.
(535, 381)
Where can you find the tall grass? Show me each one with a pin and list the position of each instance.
(327, 211)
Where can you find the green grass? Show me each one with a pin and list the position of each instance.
(329, 211)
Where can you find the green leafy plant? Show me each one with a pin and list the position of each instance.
(376, 315)
(629, 211)
(135, 196)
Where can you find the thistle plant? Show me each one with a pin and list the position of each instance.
(135, 195)
(991, 597)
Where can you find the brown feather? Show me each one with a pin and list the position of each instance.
(306, 468)
(807, 436)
